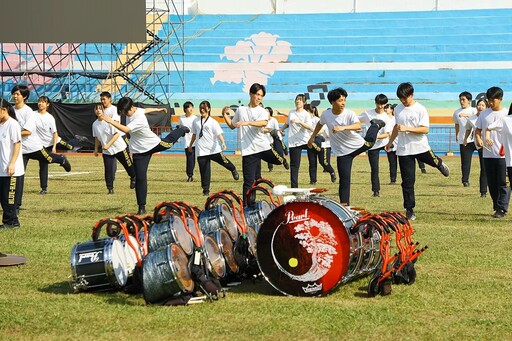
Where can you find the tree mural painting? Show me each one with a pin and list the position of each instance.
(255, 60)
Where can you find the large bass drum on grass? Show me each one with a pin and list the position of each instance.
(305, 247)
(99, 265)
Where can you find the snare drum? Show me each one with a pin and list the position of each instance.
(256, 213)
(130, 253)
(305, 248)
(170, 231)
(226, 248)
(218, 217)
(216, 263)
(98, 265)
(165, 274)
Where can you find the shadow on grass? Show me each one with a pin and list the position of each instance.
(63, 288)
(258, 286)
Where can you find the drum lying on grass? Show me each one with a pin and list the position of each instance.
(256, 213)
(99, 265)
(218, 217)
(170, 231)
(166, 274)
(305, 248)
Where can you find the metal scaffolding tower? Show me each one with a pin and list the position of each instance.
(77, 72)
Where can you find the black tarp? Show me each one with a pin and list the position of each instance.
(77, 119)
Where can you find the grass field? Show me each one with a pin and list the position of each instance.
(462, 290)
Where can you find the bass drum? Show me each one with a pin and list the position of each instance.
(170, 231)
(165, 274)
(98, 265)
(305, 248)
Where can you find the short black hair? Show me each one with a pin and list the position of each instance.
(187, 105)
(335, 94)
(24, 90)
(124, 105)
(404, 90)
(381, 99)
(256, 87)
(466, 94)
(494, 93)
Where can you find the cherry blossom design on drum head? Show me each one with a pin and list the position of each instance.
(303, 249)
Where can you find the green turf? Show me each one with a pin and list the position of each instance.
(462, 290)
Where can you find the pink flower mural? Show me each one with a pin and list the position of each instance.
(35, 58)
(255, 60)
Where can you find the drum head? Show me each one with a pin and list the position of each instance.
(226, 246)
(119, 263)
(182, 235)
(179, 262)
(130, 253)
(229, 221)
(217, 265)
(303, 249)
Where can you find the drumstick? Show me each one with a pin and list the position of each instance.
(281, 190)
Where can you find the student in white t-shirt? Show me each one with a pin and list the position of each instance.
(31, 146)
(206, 134)
(254, 143)
(321, 150)
(275, 136)
(391, 153)
(113, 148)
(460, 118)
(111, 110)
(346, 143)
(412, 126)
(143, 142)
(382, 138)
(11, 164)
(300, 124)
(190, 154)
(481, 105)
(495, 165)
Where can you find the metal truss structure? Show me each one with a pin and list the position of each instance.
(77, 72)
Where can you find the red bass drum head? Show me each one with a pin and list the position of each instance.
(303, 249)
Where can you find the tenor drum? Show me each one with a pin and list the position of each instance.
(98, 265)
(165, 274)
(256, 213)
(216, 263)
(170, 231)
(226, 248)
(305, 248)
(218, 217)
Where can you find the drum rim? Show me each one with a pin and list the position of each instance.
(209, 265)
(109, 264)
(217, 237)
(174, 269)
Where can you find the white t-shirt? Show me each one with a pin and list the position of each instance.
(470, 125)
(414, 116)
(207, 143)
(142, 139)
(45, 128)
(104, 133)
(369, 115)
(297, 134)
(346, 141)
(491, 118)
(252, 139)
(187, 122)
(506, 139)
(392, 123)
(10, 133)
(112, 112)
(461, 121)
(273, 124)
(27, 121)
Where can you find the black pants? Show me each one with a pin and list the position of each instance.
(408, 171)
(344, 163)
(141, 163)
(323, 155)
(393, 165)
(204, 163)
(373, 158)
(10, 190)
(191, 161)
(251, 166)
(110, 166)
(496, 171)
(279, 147)
(295, 156)
(466, 154)
(483, 176)
(44, 157)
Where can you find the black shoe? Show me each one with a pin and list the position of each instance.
(274, 133)
(9, 226)
(444, 170)
(206, 192)
(285, 150)
(235, 175)
(286, 164)
(186, 129)
(499, 214)
(376, 194)
(190, 179)
(378, 123)
(333, 177)
(410, 215)
(65, 164)
(142, 210)
(110, 191)
(43, 192)
(465, 184)
(483, 195)
(132, 183)
(312, 182)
